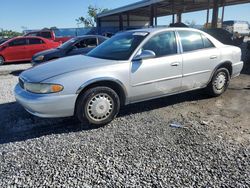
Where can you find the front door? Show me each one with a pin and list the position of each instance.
(158, 76)
(16, 50)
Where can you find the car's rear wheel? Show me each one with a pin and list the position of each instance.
(1, 60)
(98, 106)
(219, 82)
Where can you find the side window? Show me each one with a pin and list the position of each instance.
(207, 42)
(162, 44)
(18, 42)
(35, 41)
(91, 42)
(101, 40)
(190, 40)
(46, 35)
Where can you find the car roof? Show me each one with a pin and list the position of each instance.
(90, 36)
(153, 30)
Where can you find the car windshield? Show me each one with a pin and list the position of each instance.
(119, 47)
(67, 44)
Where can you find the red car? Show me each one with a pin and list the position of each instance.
(23, 48)
(48, 34)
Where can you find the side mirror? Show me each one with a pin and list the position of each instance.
(145, 54)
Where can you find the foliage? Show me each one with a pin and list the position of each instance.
(9, 33)
(90, 19)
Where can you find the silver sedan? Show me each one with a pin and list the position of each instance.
(130, 67)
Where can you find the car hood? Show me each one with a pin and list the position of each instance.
(60, 66)
(47, 52)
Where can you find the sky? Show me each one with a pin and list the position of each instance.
(36, 14)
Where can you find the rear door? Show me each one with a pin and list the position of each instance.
(34, 46)
(16, 50)
(199, 59)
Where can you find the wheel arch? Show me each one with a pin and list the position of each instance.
(225, 64)
(2, 57)
(112, 83)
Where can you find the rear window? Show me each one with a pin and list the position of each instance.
(191, 41)
(46, 35)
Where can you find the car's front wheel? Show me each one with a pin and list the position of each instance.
(219, 82)
(1, 60)
(98, 105)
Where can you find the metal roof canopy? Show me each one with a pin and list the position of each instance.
(157, 8)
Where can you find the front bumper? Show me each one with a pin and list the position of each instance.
(46, 105)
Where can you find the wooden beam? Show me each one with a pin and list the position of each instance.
(215, 13)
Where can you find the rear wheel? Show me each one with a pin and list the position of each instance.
(1, 60)
(219, 82)
(98, 106)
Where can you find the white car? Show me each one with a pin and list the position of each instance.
(130, 67)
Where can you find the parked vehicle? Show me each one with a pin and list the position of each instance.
(130, 67)
(241, 27)
(3, 40)
(75, 46)
(221, 35)
(23, 48)
(48, 34)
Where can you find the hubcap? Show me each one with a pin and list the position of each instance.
(1, 61)
(220, 81)
(100, 107)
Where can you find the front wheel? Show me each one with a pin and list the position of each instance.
(98, 106)
(1, 60)
(219, 82)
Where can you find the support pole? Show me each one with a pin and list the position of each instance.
(120, 22)
(151, 15)
(155, 15)
(99, 26)
(173, 15)
(222, 16)
(208, 12)
(179, 17)
(215, 14)
(128, 20)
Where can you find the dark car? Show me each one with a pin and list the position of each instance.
(221, 35)
(3, 40)
(74, 46)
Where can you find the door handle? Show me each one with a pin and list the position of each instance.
(175, 64)
(213, 57)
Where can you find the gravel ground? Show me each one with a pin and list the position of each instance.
(137, 149)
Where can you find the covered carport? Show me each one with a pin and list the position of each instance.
(145, 13)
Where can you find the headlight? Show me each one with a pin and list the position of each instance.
(39, 58)
(42, 88)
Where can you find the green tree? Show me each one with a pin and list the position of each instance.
(9, 33)
(90, 19)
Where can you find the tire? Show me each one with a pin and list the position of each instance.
(1, 60)
(219, 82)
(98, 106)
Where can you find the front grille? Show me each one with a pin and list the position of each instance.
(21, 83)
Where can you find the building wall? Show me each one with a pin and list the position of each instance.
(134, 21)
